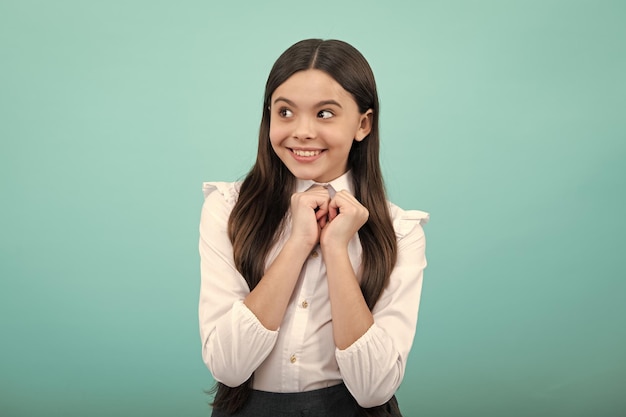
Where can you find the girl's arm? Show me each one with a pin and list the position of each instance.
(373, 365)
(234, 342)
(351, 315)
(238, 328)
(269, 299)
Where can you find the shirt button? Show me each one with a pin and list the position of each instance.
(314, 254)
(292, 359)
(305, 304)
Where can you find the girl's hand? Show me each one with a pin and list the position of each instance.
(345, 217)
(309, 214)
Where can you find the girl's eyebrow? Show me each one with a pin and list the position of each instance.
(286, 100)
(319, 104)
(328, 103)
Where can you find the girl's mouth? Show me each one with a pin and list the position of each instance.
(299, 152)
(306, 155)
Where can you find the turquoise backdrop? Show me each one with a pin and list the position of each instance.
(504, 119)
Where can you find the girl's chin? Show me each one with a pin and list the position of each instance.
(311, 174)
(316, 178)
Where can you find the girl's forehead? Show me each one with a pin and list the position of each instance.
(311, 85)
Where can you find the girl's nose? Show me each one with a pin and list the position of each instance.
(304, 128)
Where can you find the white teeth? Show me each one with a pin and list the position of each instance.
(306, 153)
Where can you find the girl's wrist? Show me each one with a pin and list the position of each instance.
(299, 245)
(334, 249)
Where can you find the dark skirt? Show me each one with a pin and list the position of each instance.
(333, 401)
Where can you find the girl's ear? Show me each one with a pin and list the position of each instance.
(365, 125)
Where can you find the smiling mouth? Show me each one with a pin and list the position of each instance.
(299, 152)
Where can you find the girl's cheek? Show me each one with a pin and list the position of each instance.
(278, 133)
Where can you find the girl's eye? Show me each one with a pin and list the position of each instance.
(325, 114)
(285, 112)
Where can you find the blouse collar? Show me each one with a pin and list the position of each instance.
(343, 182)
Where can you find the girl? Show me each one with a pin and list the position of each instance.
(311, 280)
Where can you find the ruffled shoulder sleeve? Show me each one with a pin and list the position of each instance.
(404, 221)
(228, 190)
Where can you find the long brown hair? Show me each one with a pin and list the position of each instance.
(256, 219)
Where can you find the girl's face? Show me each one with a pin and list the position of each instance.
(313, 123)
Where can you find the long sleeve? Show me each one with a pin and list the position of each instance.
(373, 366)
(234, 342)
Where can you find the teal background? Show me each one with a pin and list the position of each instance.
(503, 119)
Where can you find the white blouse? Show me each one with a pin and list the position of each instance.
(301, 354)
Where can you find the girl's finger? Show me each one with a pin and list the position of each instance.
(322, 221)
(344, 202)
(321, 213)
(333, 209)
(317, 198)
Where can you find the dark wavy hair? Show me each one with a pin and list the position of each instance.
(257, 216)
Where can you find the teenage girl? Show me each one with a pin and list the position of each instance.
(311, 279)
